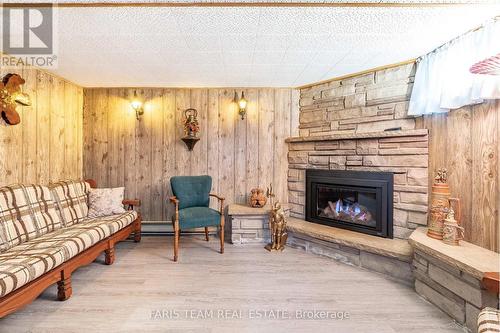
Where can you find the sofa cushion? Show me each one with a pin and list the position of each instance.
(71, 200)
(26, 212)
(114, 222)
(23, 264)
(106, 201)
(28, 261)
(195, 217)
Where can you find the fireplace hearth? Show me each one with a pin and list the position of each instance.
(355, 200)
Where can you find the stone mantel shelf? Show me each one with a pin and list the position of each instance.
(354, 136)
(467, 257)
(395, 248)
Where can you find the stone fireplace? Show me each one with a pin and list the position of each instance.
(360, 123)
(355, 200)
(403, 154)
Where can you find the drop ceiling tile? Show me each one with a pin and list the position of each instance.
(317, 42)
(279, 21)
(238, 42)
(273, 42)
(298, 57)
(268, 57)
(203, 42)
(262, 71)
(237, 70)
(216, 20)
(329, 57)
(237, 58)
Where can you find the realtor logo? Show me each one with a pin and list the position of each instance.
(28, 30)
(28, 36)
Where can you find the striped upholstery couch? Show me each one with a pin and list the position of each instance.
(45, 235)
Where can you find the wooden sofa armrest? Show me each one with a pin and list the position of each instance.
(131, 203)
(91, 182)
(491, 281)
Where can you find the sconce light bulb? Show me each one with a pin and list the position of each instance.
(136, 105)
(242, 102)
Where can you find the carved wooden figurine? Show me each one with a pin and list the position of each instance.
(10, 96)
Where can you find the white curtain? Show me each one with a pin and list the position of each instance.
(443, 81)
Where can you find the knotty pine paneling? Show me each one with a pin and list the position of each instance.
(143, 155)
(47, 145)
(466, 142)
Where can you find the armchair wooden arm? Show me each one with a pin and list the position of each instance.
(221, 200)
(131, 203)
(216, 196)
(174, 200)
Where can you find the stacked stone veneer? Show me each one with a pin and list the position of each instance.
(342, 127)
(456, 292)
(371, 102)
(250, 229)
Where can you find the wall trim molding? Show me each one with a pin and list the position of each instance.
(347, 76)
(82, 4)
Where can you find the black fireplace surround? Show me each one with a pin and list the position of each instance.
(355, 200)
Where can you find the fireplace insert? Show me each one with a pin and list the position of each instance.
(355, 200)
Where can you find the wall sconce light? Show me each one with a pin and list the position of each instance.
(137, 106)
(242, 103)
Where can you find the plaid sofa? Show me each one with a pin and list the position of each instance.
(488, 321)
(42, 227)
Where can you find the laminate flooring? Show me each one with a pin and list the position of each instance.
(245, 290)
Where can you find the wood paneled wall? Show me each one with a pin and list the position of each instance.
(142, 155)
(467, 142)
(47, 145)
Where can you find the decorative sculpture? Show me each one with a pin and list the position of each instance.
(440, 204)
(191, 128)
(441, 176)
(453, 233)
(257, 198)
(277, 228)
(10, 94)
(277, 224)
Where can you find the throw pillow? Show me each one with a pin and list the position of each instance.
(106, 201)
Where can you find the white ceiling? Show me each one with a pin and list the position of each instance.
(247, 46)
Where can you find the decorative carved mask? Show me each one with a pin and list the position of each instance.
(10, 96)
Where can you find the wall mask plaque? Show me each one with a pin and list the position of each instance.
(10, 96)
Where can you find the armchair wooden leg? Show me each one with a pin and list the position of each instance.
(206, 234)
(176, 243)
(221, 234)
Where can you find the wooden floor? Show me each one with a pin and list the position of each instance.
(144, 291)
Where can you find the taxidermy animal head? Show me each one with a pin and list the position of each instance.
(10, 96)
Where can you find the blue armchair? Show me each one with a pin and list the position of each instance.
(191, 199)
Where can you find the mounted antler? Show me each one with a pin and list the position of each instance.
(10, 94)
